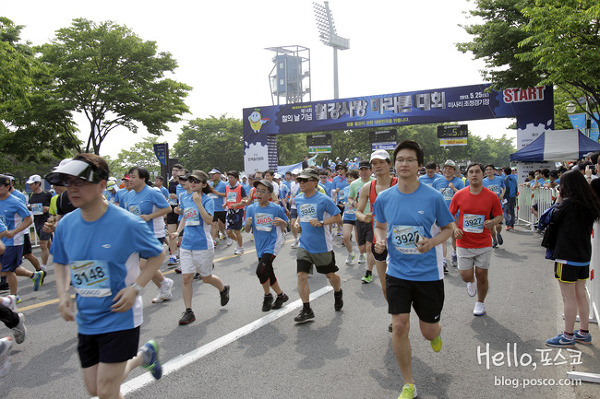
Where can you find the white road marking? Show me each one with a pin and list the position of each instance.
(197, 354)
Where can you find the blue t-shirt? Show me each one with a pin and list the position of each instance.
(349, 211)
(429, 180)
(103, 258)
(284, 191)
(340, 182)
(327, 186)
(267, 237)
(510, 182)
(442, 186)
(196, 235)
(12, 213)
(110, 197)
(319, 206)
(219, 201)
(121, 197)
(23, 198)
(164, 192)
(496, 185)
(148, 201)
(2, 226)
(406, 215)
(246, 188)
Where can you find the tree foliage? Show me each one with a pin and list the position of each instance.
(211, 143)
(114, 77)
(141, 154)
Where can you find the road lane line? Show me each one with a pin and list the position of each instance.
(186, 359)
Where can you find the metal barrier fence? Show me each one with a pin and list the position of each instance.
(593, 284)
(526, 197)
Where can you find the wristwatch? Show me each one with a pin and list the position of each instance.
(322, 223)
(138, 288)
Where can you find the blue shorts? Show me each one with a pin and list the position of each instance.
(11, 258)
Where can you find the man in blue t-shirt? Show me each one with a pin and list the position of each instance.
(218, 195)
(408, 221)
(496, 185)
(448, 185)
(430, 175)
(266, 220)
(102, 265)
(315, 211)
(510, 198)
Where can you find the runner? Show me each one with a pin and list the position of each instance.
(87, 247)
(39, 204)
(364, 172)
(151, 206)
(380, 164)
(430, 174)
(406, 225)
(315, 211)
(234, 204)
(173, 217)
(496, 185)
(448, 185)
(197, 247)
(218, 194)
(294, 191)
(479, 211)
(349, 215)
(264, 218)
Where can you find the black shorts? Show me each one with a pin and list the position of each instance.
(293, 213)
(219, 216)
(324, 262)
(26, 244)
(39, 228)
(352, 222)
(235, 219)
(364, 232)
(112, 347)
(172, 218)
(569, 273)
(382, 257)
(426, 297)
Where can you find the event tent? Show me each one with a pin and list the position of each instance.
(556, 145)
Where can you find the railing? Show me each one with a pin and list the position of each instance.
(593, 284)
(527, 197)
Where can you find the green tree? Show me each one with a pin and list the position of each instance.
(211, 143)
(141, 154)
(114, 77)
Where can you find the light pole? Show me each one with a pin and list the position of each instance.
(329, 37)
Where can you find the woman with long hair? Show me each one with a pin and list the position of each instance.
(572, 223)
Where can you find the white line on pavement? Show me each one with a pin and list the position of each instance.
(195, 355)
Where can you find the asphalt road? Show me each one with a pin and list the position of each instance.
(240, 351)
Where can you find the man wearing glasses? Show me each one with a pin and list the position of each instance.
(102, 264)
(315, 211)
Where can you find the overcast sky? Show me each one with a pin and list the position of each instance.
(395, 46)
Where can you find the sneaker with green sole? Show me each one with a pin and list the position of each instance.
(367, 279)
(436, 343)
(409, 391)
(151, 362)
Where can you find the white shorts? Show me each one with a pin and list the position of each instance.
(196, 261)
(469, 257)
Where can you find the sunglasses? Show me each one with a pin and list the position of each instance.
(194, 180)
(183, 178)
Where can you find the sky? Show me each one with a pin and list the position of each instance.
(220, 46)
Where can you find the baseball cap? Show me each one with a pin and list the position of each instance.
(34, 179)
(111, 185)
(380, 154)
(199, 174)
(126, 177)
(4, 180)
(265, 183)
(450, 163)
(276, 176)
(214, 170)
(364, 164)
(308, 174)
(296, 171)
(79, 169)
(340, 165)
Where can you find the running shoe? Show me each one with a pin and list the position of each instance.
(280, 300)
(172, 261)
(560, 341)
(436, 343)
(13, 302)
(390, 328)
(507, 228)
(151, 362)
(229, 242)
(177, 270)
(454, 260)
(37, 280)
(361, 259)
(187, 318)
(367, 279)
(238, 251)
(446, 271)
(500, 239)
(472, 289)
(350, 258)
(43, 272)
(494, 242)
(19, 300)
(409, 391)
(304, 316)
(580, 339)
(295, 244)
(251, 237)
(20, 331)
(338, 300)
(5, 344)
(165, 292)
(479, 309)
(225, 295)
(267, 303)
(197, 276)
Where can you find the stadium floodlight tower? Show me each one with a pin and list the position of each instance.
(290, 76)
(329, 37)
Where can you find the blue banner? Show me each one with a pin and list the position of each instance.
(161, 151)
(578, 122)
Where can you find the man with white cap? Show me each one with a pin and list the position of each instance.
(39, 204)
(448, 186)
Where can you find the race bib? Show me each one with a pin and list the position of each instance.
(405, 238)
(37, 209)
(173, 201)
(135, 210)
(213, 196)
(307, 212)
(263, 221)
(494, 188)
(231, 197)
(473, 223)
(448, 193)
(350, 210)
(192, 218)
(91, 278)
